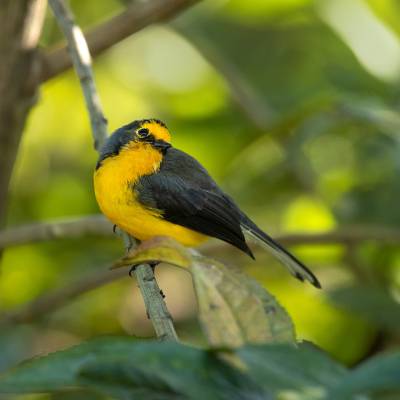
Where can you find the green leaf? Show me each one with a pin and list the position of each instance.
(281, 368)
(234, 309)
(380, 375)
(78, 395)
(58, 371)
(126, 368)
(372, 303)
(198, 381)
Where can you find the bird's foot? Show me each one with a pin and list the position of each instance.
(153, 265)
(132, 270)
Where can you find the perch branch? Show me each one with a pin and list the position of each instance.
(81, 60)
(136, 17)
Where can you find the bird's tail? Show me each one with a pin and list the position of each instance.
(295, 267)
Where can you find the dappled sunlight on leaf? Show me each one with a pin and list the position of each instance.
(317, 320)
(27, 274)
(306, 214)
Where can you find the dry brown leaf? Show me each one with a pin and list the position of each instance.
(162, 249)
(235, 309)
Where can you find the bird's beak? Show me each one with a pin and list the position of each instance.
(161, 144)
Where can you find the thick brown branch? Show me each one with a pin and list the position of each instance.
(136, 17)
(20, 25)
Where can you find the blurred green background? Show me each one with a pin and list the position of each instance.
(292, 105)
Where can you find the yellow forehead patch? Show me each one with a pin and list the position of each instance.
(157, 130)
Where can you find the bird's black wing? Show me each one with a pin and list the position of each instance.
(186, 195)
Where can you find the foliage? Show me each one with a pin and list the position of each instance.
(299, 122)
(233, 308)
(235, 311)
(128, 368)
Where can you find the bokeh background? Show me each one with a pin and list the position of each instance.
(292, 105)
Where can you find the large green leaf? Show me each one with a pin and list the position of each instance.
(282, 368)
(378, 376)
(126, 368)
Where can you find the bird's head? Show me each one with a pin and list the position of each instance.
(151, 132)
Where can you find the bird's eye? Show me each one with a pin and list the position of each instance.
(142, 133)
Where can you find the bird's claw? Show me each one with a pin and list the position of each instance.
(154, 264)
(132, 270)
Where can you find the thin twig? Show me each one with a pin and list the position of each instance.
(156, 311)
(136, 17)
(81, 59)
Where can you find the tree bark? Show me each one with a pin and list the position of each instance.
(20, 26)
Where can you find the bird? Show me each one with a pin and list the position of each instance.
(149, 188)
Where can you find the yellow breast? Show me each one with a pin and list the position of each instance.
(113, 182)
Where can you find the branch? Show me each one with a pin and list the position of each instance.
(60, 297)
(136, 17)
(67, 229)
(156, 310)
(348, 236)
(82, 62)
(20, 24)
(97, 225)
(72, 228)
